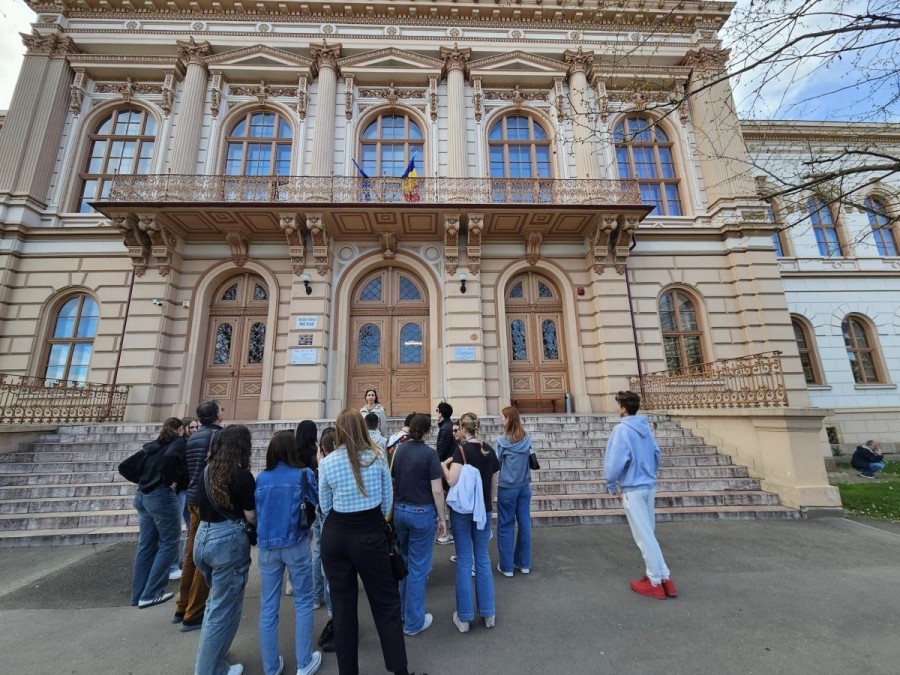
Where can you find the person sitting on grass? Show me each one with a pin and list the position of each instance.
(868, 459)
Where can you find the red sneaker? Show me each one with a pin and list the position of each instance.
(669, 587)
(643, 586)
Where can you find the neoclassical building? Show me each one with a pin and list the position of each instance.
(281, 205)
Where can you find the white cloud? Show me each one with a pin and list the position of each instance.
(15, 17)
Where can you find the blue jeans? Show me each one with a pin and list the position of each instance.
(320, 583)
(222, 554)
(472, 542)
(415, 525)
(186, 515)
(272, 562)
(514, 504)
(875, 466)
(160, 528)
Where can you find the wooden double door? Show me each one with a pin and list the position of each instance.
(236, 346)
(389, 342)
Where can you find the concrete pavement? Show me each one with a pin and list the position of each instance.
(755, 597)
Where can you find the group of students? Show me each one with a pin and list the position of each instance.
(352, 486)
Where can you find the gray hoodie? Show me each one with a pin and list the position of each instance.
(514, 471)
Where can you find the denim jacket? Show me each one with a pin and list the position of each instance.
(278, 502)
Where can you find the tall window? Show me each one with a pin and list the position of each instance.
(824, 227)
(519, 149)
(72, 343)
(122, 143)
(644, 153)
(388, 143)
(778, 236)
(860, 350)
(680, 331)
(259, 144)
(806, 347)
(884, 234)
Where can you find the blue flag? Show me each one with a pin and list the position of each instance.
(410, 183)
(366, 182)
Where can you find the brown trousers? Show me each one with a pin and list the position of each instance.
(194, 591)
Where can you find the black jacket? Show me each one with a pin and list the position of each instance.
(198, 446)
(444, 444)
(863, 457)
(162, 464)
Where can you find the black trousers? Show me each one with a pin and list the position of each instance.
(354, 544)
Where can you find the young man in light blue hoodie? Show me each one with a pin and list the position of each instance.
(630, 465)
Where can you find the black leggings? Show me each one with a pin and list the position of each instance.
(354, 544)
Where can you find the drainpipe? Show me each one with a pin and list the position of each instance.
(637, 349)
(121, 344)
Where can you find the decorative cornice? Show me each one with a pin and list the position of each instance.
(390, 52)
(820, 132)
(325, 56)
(552, 65)
(54, 45)
(235, 56)
(193, 52)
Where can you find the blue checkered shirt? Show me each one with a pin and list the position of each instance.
(338, 489)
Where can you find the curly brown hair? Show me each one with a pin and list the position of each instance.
(231, 452)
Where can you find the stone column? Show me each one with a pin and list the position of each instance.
(36, 118)
(723, 156)
(581, 114)
(456, 69)
(326, 68)
(190, 113)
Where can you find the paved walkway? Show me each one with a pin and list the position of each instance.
(756, 597)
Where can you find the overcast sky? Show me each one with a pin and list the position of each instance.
(798, 93)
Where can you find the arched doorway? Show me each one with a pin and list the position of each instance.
(233, 366)
(538, 369)
(388, 339)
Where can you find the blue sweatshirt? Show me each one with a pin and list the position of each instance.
(632, 456)
(514, 471)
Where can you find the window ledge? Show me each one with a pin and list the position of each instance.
(818, 387)
(874, 386)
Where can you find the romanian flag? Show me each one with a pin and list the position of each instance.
(366, 182)
(410, 183)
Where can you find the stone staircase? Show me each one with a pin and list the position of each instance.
(64, 488)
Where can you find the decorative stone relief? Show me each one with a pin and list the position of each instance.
(132, 25)
(392, 31)
(599, 246)
(477, 97)
(192, 51)
(216, 93)
(264, 27)
(170, 83)
(516, 34)
(321, 242)
(705, 59)
(238, 243)
(198, 25)
(53, 45)
(454, 32)
(473, 242)
(328, 28)
(163, 241)
(433, 96)
(262, 91)
(77, 91)
(602, 99)
(451, 242)
(302, 96)
(348, 97)
(325, 56)
(533, 247)
(135, 241)
(392, 94)
(558, 91)
(456, 59)
(623, 242)
(516, 95)
(388, 244)
(290, 225)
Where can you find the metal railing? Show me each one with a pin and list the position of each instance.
(168, 188)
(755, 381)
(34, 400)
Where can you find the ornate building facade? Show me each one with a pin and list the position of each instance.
(281, 205)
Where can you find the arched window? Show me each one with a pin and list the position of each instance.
(779, 236)
(885, 237)
(519, 149)
(806, 345)
(861, 351)
(72, 343)
(680, 331)
(121, 143)
(259, 144)
(826, 231)
(644, 153)
(388, 143)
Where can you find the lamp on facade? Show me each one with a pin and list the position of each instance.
(462, 282)
(306, 280)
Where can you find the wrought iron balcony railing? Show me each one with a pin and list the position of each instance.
(33, 400)
(755, 381)
(167, 188)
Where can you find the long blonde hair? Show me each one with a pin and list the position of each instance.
(470, 422)
(350, 431)
(514, 430)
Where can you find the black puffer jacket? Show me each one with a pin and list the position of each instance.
(162, 464)
(197, 448)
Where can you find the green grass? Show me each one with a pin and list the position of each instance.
(873, 499)
(892, 468)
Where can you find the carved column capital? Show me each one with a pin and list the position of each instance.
(705, 59)
(53, 45)
(325, 56)
(193, 52)
(455, 59)
(579, 61)
(451, 242)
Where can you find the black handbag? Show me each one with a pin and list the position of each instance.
(307, 510)
(533, 462)
(398, 565)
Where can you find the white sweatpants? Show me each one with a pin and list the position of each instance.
(638, 506)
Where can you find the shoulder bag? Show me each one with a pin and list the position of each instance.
(399, 570)
(307, 510)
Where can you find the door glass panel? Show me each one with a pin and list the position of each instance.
(544, 291)
(516, 291)
(222, 354)
(372, 291)
(259, 293)
(411, 343)
(408, 290)
(369, 345)
(257, 342)
(519, 349)
(551, 344)
(231, 293)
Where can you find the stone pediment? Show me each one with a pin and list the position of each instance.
(518, 62)
(399, 64)
(259, 56)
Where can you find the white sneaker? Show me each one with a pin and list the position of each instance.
(462, 626)
(312, 666)
(428, 619)
(446, 539)
(523, 570)
(143, 604)
(506, 574)
(174, 575)
(236, 669)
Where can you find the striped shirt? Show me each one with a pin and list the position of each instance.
(338, 489)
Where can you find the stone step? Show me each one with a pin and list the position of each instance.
(63, 478)
(12, 493)
(667, 485)
(603, 500)
(663, 515)
(68, 536)
(685, 472)
(68, 504)
(67, 520)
